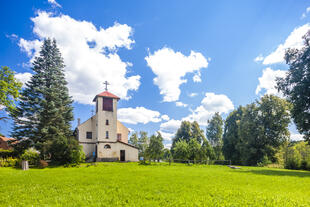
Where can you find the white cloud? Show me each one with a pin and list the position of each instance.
(90, 54)
(165, 117)
(296, 137)
(304, 15)
(197, 78)
(138, 115)
(180, 104)
(167, 136)
(2, 107)
(131, 130)
(259, 58)
(168, 146)
(54, 3)
(210, 104)
(170, 67)
(193, 94)
(267, 82)
(23, 77)
(294, 40)
(170, 126)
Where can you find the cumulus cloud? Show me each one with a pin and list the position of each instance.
(180, 104)
(267, 82)
(259, 58)
(193, 94)
(170, 126)
(304, 15)
(165, 117)
(54, 3)
(168, 145)
(138, 115)
(23, 77)
(90, 54)
(210, 104)
(170, 68)
(294, 40)
(296, 137)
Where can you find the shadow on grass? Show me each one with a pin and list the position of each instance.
(274, 172)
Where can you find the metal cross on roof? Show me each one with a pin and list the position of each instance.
(106, 85)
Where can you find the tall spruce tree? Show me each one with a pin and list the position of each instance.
(45, 109)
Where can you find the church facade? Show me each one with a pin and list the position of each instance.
(102, 136)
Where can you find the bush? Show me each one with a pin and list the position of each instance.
(8, 162)
(66, 151)
(6, 153)
(43, 164)
(31, 155)
(264, 162)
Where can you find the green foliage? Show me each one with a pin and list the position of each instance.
(134, 140)
(43, 117)
(31, 155)
(188, 131)
(214, 130)
(9, 89)
(232, 142)
(155, 148)
(297, 156)
(131, 184)
(295, 86)
(214, 134)
(193, 146)
(6, 153)
(257, 130)
(8, 162)
(181, 150)
(207, 151)
(194, 149)
(167, 154)
(66, 151)
(143, 143)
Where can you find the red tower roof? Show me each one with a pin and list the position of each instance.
(106, 94)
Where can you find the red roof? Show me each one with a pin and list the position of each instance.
(106, 94)
(6, 138)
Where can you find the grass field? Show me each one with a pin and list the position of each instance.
(131, 184)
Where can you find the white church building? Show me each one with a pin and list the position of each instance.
(102, 136)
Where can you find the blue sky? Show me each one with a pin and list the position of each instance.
(168, 60)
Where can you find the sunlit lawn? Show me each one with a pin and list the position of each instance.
(131, 184)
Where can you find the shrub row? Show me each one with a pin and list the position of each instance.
(6, 153)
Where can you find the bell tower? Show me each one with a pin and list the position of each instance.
(106, 116)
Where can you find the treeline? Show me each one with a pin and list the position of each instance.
(256, 134)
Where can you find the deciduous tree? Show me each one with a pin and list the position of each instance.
(296, 85)
(9, 90)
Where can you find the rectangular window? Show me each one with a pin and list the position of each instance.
(89, 135)
(119, 136)
(107, 104)
(107, 122)
(107, 135)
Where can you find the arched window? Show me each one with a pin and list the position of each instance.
(107, 146)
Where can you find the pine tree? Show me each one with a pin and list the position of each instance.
(45, 110)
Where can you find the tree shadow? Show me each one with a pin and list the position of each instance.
(274, 172)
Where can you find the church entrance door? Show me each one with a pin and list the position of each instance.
(122, 158)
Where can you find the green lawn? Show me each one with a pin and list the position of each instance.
(131, 184)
